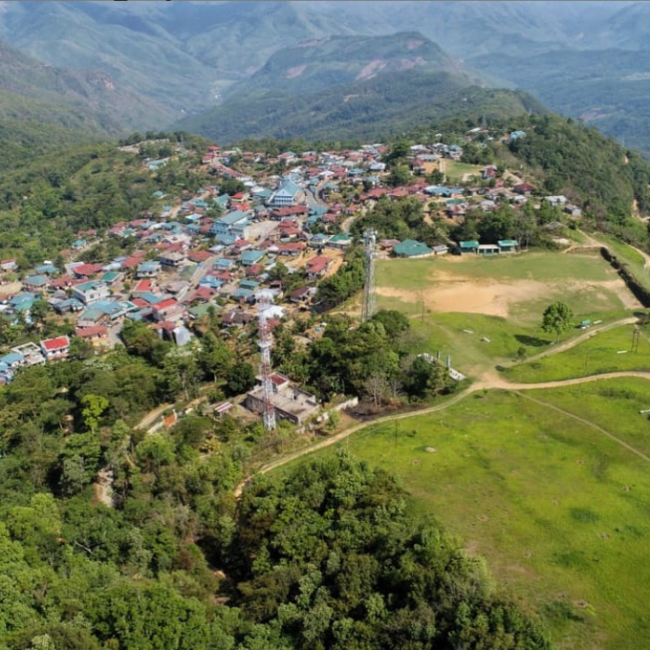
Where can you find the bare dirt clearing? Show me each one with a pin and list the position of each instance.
(454, 293)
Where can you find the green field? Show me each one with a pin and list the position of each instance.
(559, 509)
(522, 285)
(608, 351)
(455, 171)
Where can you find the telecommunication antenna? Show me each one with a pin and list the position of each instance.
(369, 298)
(265, 344)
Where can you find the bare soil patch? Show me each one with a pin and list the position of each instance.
(450, 292)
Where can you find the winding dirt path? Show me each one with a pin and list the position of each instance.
(488, 382)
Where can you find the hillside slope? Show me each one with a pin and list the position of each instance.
(322, 63)
(79, 99)
(377, 108)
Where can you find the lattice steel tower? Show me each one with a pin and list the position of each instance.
(265, 345)
(369, 299)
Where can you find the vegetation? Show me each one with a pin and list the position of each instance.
(83, 188)
(586, 166)
(609, 351)
(557, 318)
(368, 109)
(555, 505)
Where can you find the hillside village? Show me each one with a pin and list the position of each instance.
(284, 227)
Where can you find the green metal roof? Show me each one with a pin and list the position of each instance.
(471, 243)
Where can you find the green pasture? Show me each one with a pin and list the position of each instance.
(559, 509)
(462, 335)
(614, 404)
(609, 351)
(542, 266)
(454, 171)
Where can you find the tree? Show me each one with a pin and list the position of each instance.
(557, 318)
(240, 379)
(215, 357)
(93, 408)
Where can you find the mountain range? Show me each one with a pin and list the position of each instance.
(119, 66)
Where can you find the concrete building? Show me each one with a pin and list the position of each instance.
(290, 402)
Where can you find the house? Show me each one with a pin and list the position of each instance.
(440, 249)
(31, 353)
(104, 311)
(172, 259)
(6, 266)
(250, 257)
(233, 223)
(524, 189)
(288, 193)
(508, 245)
(168, 309)
(35, 282)
(340, 241)
(221, 409)
(289, 402)
(56, 349)
(302, 296)
(237, 318)
(318, 266)
(90, 292)
(97, 336)
(148, 269)
(411, 248)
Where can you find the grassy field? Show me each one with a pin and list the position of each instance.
(456, 304)
(559, 509)
(608, 351)
(455, 171)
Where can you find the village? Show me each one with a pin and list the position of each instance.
(188, 264)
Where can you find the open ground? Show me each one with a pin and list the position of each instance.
(551, 485)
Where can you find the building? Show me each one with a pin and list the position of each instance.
(469, 246)
(90, 292)
(97, 335)
(488, 249)
(56, 349)
(172, 259)
(411, 248)
(168, 309)
(508, 245)
(233, 223)
(318, 266)
(148, 269)
(290, 402)
(287, 194)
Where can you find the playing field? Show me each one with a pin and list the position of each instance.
(559, 508)
(482, 311)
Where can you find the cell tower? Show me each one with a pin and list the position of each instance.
(369, 298)
(265, 344)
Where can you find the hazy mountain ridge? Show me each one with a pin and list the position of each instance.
(386, 105)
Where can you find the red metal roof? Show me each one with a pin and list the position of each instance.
(59, 343)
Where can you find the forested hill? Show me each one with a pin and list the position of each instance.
(387, 105)
(586, 165)
(322, 63)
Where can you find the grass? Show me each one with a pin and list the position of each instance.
(455, 171)
(445, 331)
(559, 509)
(597, 355)
(634, 260)
(541, 266)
